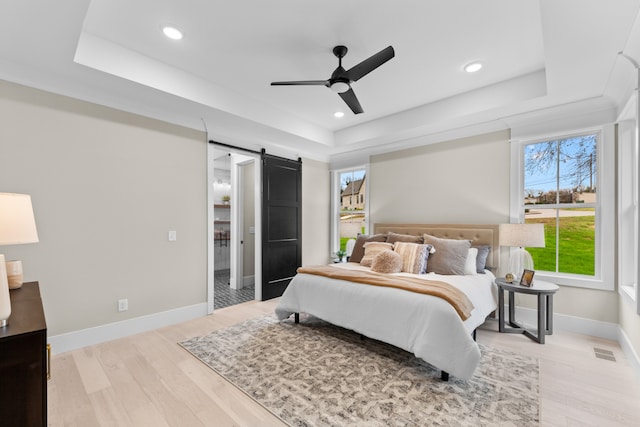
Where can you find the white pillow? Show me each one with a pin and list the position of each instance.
(470, 264)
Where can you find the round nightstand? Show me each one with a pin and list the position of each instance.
(544, 291)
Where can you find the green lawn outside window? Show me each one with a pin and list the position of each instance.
(576, 248)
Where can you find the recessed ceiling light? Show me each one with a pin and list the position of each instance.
(338, 114)
(172, 32)
(473, 67)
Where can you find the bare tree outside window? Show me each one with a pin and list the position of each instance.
(567, 164)
(560, 191)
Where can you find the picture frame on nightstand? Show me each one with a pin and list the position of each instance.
(527, 278)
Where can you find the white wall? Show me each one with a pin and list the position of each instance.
(630, 324)
(465, 180)
(106, 187)
(580, 302)
(249, 245)
(316, 208)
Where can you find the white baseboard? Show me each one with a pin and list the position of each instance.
(579, 325)
(82, 338)
(629, 351)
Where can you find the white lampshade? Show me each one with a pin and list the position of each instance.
(17, 223)
(522, 235)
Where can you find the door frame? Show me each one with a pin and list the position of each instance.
(211, 148)
(238, 161)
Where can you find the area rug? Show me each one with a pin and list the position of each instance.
(317, 374)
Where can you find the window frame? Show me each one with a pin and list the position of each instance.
(336, 203)
(628, 175)
(605, 205)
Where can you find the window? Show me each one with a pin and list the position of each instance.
(563, 187)
(560, 185)
(351, 218)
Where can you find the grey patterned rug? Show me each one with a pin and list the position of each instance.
(316, 374)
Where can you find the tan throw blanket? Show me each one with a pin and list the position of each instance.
(458, 299)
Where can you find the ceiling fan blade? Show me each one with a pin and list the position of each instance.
(368, 65)
(302, 83)
(350, 98)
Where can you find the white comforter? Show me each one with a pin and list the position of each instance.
(425, 325)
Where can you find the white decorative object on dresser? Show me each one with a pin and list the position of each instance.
(17, 226)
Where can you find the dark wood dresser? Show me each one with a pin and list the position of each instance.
(23, 360)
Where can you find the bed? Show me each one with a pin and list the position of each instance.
(427, 326)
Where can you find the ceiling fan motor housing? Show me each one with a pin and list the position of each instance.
(340, 51)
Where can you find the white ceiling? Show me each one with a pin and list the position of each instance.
(536, 54)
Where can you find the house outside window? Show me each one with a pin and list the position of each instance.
(562, 186)
(352, 186)
(352, 214)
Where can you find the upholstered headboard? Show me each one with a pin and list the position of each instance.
(478, 234)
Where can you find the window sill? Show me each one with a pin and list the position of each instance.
(577, 282)
(629, 293)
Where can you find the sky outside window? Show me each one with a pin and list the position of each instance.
(566, 164)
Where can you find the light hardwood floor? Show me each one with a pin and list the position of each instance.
(148, 380)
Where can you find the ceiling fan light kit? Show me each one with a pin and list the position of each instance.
(341, 79)
(340, 87)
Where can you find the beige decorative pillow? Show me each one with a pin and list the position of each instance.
(371, 249)
(387, 262)
(414, 256)
(358, 248)
(450, 256)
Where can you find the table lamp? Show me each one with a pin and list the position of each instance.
(17, 226)
(521, 236)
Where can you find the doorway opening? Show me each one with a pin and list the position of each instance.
(234, 212)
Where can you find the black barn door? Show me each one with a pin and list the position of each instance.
(281, 223)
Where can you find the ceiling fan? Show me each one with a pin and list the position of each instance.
(341, 79)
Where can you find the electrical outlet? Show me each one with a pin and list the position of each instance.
(171, 236)
(123, 304)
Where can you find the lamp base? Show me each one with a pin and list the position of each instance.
(519, 260)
